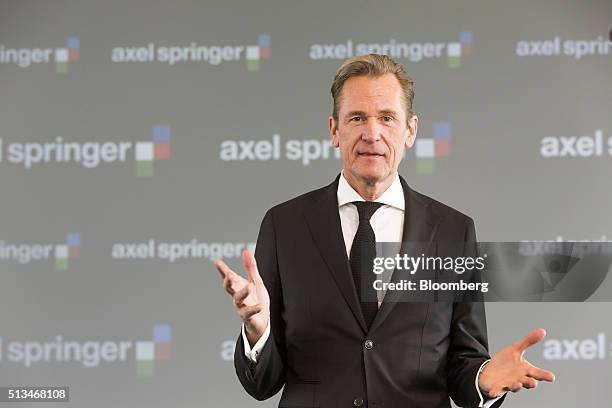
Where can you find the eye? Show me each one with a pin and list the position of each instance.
(387, 118)
(356, 119)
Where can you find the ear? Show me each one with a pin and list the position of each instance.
(413, 124)
(333, 132)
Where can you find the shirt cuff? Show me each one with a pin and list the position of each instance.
(489, 401)
(252, 353)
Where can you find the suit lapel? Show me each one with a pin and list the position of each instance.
(420, 225)
(323, 220)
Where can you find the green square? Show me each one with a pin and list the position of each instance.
(454, 62)
(425, 166)
(144, 169)
(145, 368)
(61, 67)
(253, 65)
(61, 264)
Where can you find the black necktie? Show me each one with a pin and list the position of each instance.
(362, 256)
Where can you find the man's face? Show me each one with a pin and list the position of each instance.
(372, 129)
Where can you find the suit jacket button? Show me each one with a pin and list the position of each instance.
(358, 402)
(369, 344)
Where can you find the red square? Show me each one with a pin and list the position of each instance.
(73, 54)
(466, 49)
(73, 251)
(442, 147)
(264, 52)
(162, 151)
(162, 351)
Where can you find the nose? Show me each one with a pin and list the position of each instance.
(371, 131)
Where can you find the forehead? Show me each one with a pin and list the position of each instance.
(367, 92)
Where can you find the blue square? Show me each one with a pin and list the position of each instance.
(264, 41)
(73, 239)
(161, 134)
(442, 130)
(161, 333)
(73, 42)
(465, 37)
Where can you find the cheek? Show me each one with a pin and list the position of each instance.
(349, 146)
(400, 142)
(347, 153)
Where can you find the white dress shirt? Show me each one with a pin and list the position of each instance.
(388, 225)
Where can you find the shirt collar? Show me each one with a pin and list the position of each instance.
(393, 196)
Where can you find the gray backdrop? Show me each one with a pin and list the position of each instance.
(528, 77)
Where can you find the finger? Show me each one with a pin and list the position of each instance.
(516, 387)
(218, 266)
(498, 391)
(250, 264)
(240, 295)
(540, 374)
(232, 281)
(228, 285)
(247, 312)
(494, 392)
(529, 382)
(534, 337)
(223, 269)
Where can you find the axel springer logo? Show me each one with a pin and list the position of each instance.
(227, 350)
(551, 246)
(66, 251)
(595, 145)
(175, 251)
(91, 154)
(558, 47)
(63, 56)
(194, 52)
(305, 151)
(255, 53)
(24, 57)
(148, 152)
(308, 151)
(413, 52)
(147, 352)
(91, 353)
(456, 50)
(426, 150)
(26, 253)
(597, 348)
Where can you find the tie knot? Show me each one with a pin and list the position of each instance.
(366, 209)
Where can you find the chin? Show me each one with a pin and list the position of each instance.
(371, 178)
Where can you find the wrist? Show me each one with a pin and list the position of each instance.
(482, 380)
(254, 332)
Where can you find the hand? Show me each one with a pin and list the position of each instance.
(509, 371)
(250, 297)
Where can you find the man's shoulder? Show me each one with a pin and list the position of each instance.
(297, 204)
(441, 209)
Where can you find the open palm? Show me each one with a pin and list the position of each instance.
(508, 370)
(250, 296)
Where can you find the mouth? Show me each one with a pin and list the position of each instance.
(370, 154)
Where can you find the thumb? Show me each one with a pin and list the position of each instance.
(250, 264)
(534, 337)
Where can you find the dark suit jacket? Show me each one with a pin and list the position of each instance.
(420, 354)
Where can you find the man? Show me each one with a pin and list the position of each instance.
(304, 325)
